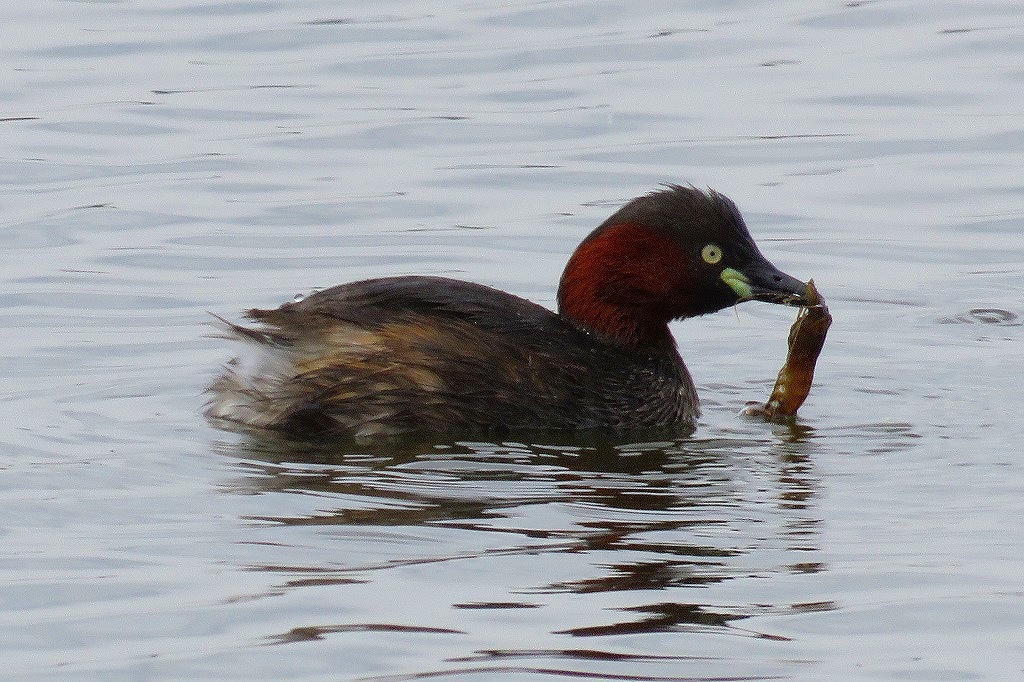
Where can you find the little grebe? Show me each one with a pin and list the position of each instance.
(428, 354)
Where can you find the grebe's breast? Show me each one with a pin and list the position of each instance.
(404, 354)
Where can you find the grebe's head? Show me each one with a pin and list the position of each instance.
(674, 253)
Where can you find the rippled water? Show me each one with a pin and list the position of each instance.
(164, 159)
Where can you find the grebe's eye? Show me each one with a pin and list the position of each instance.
(712, 253)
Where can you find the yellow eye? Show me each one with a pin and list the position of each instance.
(712, 253)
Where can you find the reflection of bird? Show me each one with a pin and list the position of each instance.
(405, 354)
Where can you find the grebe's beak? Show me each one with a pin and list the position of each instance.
(762, 281)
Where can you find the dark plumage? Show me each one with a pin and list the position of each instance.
(429, 354)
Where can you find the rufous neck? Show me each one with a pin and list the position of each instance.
(622, 283)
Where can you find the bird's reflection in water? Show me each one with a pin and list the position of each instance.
(650, 517)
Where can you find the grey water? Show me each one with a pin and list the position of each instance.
(163, 159)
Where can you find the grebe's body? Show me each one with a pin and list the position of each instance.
(399, 355)
(394, 355)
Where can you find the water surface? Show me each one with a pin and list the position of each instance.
(167, 158)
